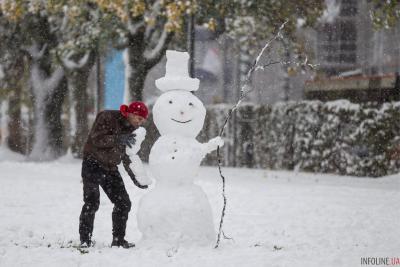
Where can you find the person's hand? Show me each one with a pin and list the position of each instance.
(140, 134)
(127, 139)
(143, 186)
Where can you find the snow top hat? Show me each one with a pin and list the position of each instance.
(176, 73)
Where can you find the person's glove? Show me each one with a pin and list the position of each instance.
(126, 139)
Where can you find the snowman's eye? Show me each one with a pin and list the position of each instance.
(170, 102)
(191, 104)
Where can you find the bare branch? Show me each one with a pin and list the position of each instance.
(34, 51)
(133, 27)
(154, 56)
(283, 63)
(70, 64)
(267, 65)
(252, 69)
(151, 27)
(60, 27)
(52, 82)
(65, 19)
(243, 92)
(42, 84)
(150, 30)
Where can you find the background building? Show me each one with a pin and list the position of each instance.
(357, 62)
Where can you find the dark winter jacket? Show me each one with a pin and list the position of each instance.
(102, 144)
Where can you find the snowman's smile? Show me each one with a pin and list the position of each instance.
(181, 121)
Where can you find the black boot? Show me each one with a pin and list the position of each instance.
(120, 242)
(87, 243)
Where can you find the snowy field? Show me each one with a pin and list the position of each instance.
(275, 219)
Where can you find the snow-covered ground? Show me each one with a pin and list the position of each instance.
(275, 219)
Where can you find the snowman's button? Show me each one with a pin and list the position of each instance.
(176, 150)
(173, 157)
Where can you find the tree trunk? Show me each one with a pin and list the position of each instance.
(53, 120)
(286, 78)
(15, 139)
(3, 122)
(47, 100)
(40, 149)
(49, 87)
(136, 81)
(135, 65)
(82, 127)
(80, 82)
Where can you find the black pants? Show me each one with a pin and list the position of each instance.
(94, 176)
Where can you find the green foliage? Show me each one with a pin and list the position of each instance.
(258, 20)
(385, 14)
(65, 27)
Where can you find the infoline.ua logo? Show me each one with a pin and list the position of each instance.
(380, 261)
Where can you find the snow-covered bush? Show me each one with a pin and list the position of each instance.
(333, 137)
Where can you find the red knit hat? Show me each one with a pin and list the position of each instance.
(137, 108)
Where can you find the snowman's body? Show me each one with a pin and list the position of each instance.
(177, 211)
(175, 159)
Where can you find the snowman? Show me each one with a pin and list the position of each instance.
(177, 211)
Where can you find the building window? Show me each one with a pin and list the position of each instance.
(337, 41)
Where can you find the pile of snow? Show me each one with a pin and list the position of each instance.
(7, 155)
(275, 219)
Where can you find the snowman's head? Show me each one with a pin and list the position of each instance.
(179, 112)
